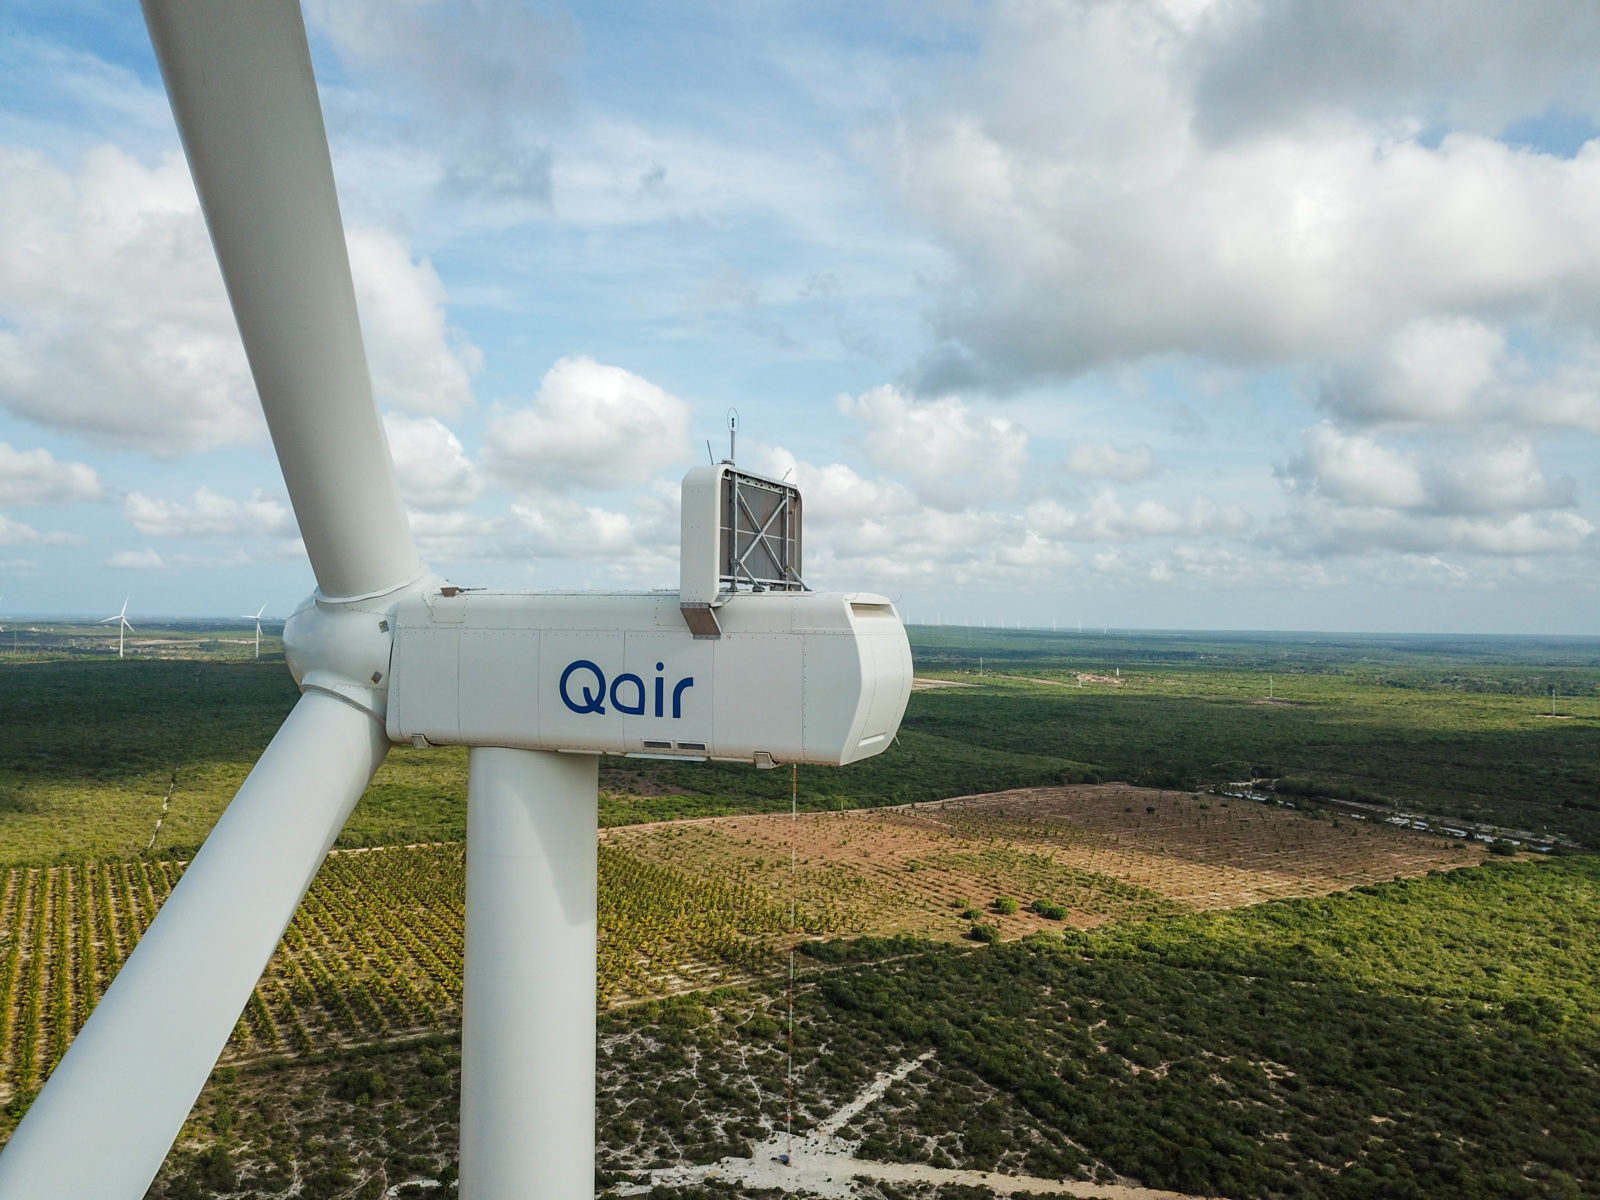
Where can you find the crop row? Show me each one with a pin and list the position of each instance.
(375, 951)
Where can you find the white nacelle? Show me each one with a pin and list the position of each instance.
(812, 677)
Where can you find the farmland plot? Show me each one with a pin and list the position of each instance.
(376, 950)
(1101, 852)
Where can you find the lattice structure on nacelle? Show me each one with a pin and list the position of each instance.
(759, 539)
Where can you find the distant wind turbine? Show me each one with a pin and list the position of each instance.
(256, 617)
(123, 628)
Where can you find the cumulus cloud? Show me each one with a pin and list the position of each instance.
(433, 468)
(956, 456)
(635, 545)
(1106, 519)
(211, 515)
(1459, 371)
(589, 424)
(1355, 470)
(418, 363)
(1478, 63)
(118, 325)
(1351, 495)
(455, 536)
(1323, 529)
(1101, 218)
(30, 477)
(878, 532)
(114, 323)
(1103, 460)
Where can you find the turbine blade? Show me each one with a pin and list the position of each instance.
(240, 81)
(106, 1119)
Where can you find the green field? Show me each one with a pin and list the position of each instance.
(91, 746)
(1429, 1037)
(1435, 1038)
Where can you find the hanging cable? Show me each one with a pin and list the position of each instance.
(794, 819)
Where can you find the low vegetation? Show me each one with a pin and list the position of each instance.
(1109, 984)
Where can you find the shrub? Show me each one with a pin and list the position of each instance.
(985, 933)
(1006, 905)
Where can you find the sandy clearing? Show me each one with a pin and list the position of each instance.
(824, 1165)
(915, 868)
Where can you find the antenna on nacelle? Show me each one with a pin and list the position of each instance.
(733, 432)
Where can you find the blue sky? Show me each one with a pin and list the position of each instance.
(1176, 314)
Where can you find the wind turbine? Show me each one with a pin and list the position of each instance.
(256, 617)
(757, 669)
(123, 628)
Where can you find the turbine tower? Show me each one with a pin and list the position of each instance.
(744, 664)
(256, 617)
(123, 628)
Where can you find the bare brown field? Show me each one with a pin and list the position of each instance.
(375, 951)
(1104, 852)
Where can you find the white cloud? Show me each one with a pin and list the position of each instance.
(1355, 470)
(588, 424)
(456, 536)
(114, 323)
(418, 363)
(434, 470)
(636, 547)
(1461, 371)
(1478, 63)
(1320, 529)
(1092, 219)
(878, 532)
(1497, 479)
(1103, 460)
(1107, 520)
(560, 527)
(32, 477)
(136, 560)
(955, 456)
(119, 327)
(211, 515)
(1351, 496)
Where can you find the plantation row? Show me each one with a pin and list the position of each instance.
(376, 949)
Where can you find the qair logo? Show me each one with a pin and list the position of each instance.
(627, 692)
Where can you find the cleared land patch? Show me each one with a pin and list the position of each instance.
(1102, 852)
(375, 952)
